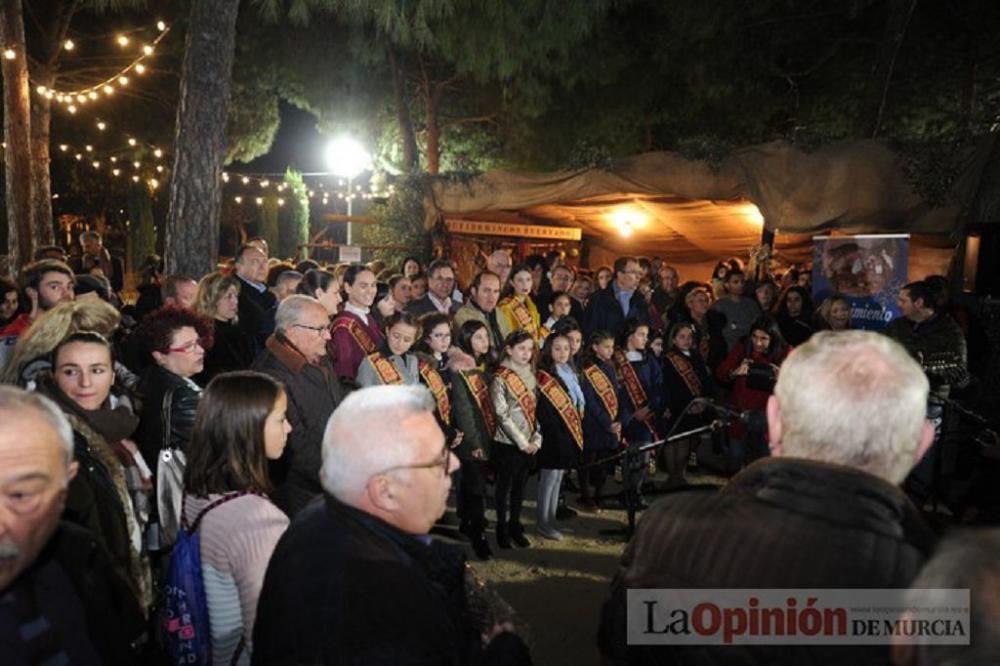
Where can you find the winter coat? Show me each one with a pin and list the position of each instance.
(604, 312)
(597, 422)
(157, 385)
(560, 450)
(313, 393)
(466, 414)
(232, 349)
(513, 429)
(650, 375)
(780, 523)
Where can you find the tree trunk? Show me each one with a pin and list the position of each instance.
(41, 123)
(433, 137)
(192, 230)
(869, 120)
(406, 134)
(17, 135)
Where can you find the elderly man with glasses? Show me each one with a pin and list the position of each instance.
(296, 356)
(356, 579)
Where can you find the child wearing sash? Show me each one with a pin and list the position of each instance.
(601, 429)
(472, 410)
(560, 418)
(559, 308)
(640, 394)
(392, 362)
(517, 312)
(356, 334)
(514, 394)
(685, 377)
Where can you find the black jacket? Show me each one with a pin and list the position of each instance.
(424, 305)
(344, 587)
(781, 523)
(256, 313)
(232, 349)
(157, 383)
(93, 615)
(313, 393)
(604, 312)
(559, 448)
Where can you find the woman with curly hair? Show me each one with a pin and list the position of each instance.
(176, 339)
(219, 299)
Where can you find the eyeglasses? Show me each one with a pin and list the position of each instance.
(443, 461)
(189, 346)
(315, 329)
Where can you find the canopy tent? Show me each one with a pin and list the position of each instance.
(692, 213)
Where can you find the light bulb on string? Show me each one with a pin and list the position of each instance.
(89, 148)
(116, 172)
(161, 26)
(238, 199)
(259, 201)
(79, 157)
(92, 95)
(147, 49)
(131, 141)
(281, 202)
(159, 168)
(63, 147)
(135, 179)
(225, 177)
(246, 181)
(10, 54)
(69, 45)
(122, 40)
(101, 125)
(108, 90)
(135, 165)
(123, 81)
(140, 68)
(158, 153)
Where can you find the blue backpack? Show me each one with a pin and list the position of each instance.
(184, 615)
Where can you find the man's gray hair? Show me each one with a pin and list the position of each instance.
(290, 310)
(13, 402)
(966, 559)
(285, 276)
(366, 436)
(90, 234)
(853, 398)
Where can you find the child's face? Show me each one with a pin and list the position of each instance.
(604, 349)
(560, 350)
(522, 351)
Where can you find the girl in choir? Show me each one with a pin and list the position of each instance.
(472, 410)
(685, 377)
(514, 394)
(356, 333)
(640, 395)
(601, 428)
(517, 312)
(560, 419)
(393, 362)
(559, 308)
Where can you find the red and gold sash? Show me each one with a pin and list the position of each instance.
(481, 394)
(682, 364)
(521, 392)
(636, 393)
(557, 395)
(604, 388)
(358, 332)
(432, 379)
(522, 315)
(386, 370)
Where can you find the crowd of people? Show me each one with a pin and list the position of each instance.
(311, 422)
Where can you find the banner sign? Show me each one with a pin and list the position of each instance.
(350, 254)
(514, 230)
(868, 271)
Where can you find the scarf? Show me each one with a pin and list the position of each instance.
(572, 382)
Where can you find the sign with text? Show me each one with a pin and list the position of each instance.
(868, 271)
(350, 254)
(513, 230)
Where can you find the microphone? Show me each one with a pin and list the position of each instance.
(728, 412)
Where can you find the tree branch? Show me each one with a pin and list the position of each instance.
(488, 118)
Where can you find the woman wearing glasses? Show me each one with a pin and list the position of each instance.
(177, 339)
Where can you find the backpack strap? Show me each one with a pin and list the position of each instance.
(219, 502)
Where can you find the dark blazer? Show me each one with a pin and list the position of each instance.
(256, 313)
(424, 305)
(604, 312)
(780, 523)
(156, 384)
(313, 393)
(93, 616)
(559, 449)
(232, 349)
(344, 587)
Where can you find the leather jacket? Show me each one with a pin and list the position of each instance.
(157, 384)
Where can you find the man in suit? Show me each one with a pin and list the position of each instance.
(611, 307)
(440, 284)
(257, 303)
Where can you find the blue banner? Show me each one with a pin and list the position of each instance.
(868, 271)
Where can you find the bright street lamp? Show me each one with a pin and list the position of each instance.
(347, 158)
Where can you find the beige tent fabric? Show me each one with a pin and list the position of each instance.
(690, 213)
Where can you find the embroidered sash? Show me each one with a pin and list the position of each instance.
(636, 393)
(358, 332)
(524, 396)
(685, 369)
(432, 379)
(386, 370)
(481, 394)
(522, 315)
(556, 394)
(604, 388)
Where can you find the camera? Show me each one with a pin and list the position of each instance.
(761, 377)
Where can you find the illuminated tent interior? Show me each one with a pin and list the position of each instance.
(692, 213)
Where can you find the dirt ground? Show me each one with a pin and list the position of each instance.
(558, 587)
